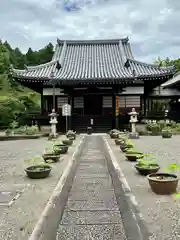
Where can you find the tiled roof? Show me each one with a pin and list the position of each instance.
(92, 60)
(161, 92)
(173, 81)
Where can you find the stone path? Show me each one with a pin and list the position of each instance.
(91, 211)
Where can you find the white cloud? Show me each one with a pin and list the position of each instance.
(151, 25)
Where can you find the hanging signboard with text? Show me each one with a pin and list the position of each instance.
(66, 110)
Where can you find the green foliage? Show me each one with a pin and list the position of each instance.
(4, 59)
(154, 127)
(163, 126)
(53, 148)
(167, 129)
(22, 130)
(17, 101)
(129, 143)
(36, 161)
(167, 62)
(44, 55)
(70, 132)
(146, 160)
(10, 109)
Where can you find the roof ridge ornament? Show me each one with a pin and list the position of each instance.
(52, 74)
(58, 65)
(59, 42)
(134, 73)
(25, 67)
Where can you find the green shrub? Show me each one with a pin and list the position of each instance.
(23, 130)
(154, 128)
(10, 109)
(32, 130)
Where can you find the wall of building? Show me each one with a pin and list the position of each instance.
(126, 103)
(129, 98)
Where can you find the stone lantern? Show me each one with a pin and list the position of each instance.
(53, 121)
(133, 120)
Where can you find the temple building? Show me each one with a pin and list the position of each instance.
(100, 79)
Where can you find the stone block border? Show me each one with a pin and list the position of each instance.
(134, 223)
(22, 137)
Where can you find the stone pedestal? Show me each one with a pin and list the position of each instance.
(133, 120)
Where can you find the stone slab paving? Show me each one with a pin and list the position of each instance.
(18, 221)
(161, 213)
(91, 211)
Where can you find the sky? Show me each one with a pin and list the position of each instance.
(152, 26)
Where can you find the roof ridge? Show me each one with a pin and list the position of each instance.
(54, 54)
(172, 81)
(150, 64)
(95, 41)
(123, 54)
(63, 53)
(41, 65)
(18, 70)
(176, 74)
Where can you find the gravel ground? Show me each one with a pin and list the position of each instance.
(18, 221)
(161, 213)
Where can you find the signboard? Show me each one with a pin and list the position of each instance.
(117, 105)
(66, 110)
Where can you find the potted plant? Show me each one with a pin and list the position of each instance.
(62, 148)
(67, 142)
(89, 130)
(146, 165)
(51, 154)
(52, 137)
(132, 155)
(166, 132)
(154, 128)
(114, 133)
(164, 183)
(71, 134)
(8, 132)
(119, 141)
(122, 136)
(37, 168)
(127, 145)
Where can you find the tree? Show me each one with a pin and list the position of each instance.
(19, 59)
(30, 57)
(4, 59)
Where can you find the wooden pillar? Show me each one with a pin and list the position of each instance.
(113, 110)
(117, 112)
(71, 102)
(144, 100)
(42, 103)
(54, 98)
